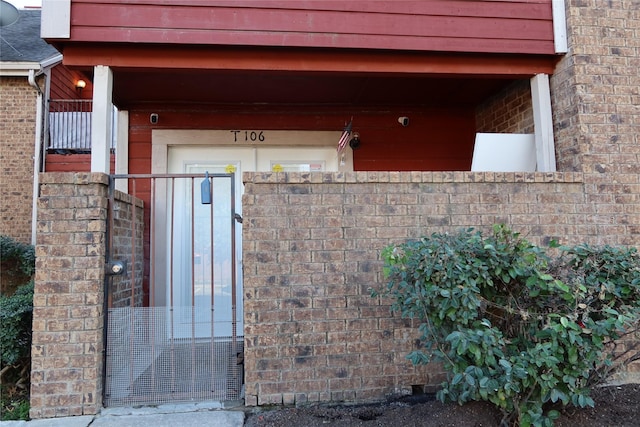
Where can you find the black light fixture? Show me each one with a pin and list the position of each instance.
(354, 143)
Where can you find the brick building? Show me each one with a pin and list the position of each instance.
(274, 88)
(25, 64)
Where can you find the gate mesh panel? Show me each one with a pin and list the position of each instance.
(153, 359)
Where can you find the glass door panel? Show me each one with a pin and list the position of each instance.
(200, 273)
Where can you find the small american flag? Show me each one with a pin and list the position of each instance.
(346, 134)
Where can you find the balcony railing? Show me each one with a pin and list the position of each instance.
(70, 125)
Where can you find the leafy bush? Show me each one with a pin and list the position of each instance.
(15, 350)
(512, 325)
(21, 256)
(15, 318)
(14, 409)
(16, 307)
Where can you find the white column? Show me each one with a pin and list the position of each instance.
(101, 119)
(559, 26)
(122, 150)
(543, 123)
(55, 19)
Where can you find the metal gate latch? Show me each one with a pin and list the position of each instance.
(116, 268)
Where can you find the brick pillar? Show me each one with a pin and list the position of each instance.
(68, 312)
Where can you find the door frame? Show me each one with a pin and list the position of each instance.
(162, 139)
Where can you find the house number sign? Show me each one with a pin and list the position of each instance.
(248, 136)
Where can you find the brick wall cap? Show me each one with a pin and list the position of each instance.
(412, 177)
(77, 178)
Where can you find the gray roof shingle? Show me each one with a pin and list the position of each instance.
(21, 42)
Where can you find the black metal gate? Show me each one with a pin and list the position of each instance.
(174, 312)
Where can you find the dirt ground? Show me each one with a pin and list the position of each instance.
(617, 406)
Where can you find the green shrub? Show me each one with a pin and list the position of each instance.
(15, 352)
(512, 325)
(17, 263)
(15, 318)
(19, 256)
(14, 410)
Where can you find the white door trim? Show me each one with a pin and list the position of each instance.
(161, 139)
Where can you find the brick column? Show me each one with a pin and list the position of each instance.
(68, 315)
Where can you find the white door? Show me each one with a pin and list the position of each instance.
(200, 285)
(196, 299)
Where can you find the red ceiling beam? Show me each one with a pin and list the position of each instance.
(253, 59)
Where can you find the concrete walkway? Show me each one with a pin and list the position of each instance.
(211, 414)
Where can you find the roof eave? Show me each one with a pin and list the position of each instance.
(22, 68)
(18, 68)
(51, 62)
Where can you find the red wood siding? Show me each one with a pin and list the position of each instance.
(63, 84)
(435, 140)
(488, 26)
(71, 163)
(199, 58)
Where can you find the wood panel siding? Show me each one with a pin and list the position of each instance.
(63, 84)
(71, 163)
(439, 140)
(493, 26)
(335, 61)
(435, 140)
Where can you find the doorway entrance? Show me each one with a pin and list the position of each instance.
(187, 344)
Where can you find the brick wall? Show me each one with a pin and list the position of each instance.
(18, 102)
(312, 241)
(595, 94)
(595, 89)
(509, 111)
(68, 325)
(127, 231)
(312, 247)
